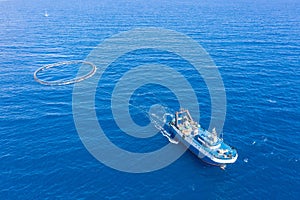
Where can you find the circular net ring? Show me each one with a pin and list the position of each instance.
(65, 82)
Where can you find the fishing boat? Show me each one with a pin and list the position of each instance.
(207, 146)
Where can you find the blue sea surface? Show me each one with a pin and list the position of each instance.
(256, 46)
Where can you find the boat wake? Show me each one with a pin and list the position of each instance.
(158, 116)
(159, 122)
(166, 134)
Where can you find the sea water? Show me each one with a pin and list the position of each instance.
(256, 46)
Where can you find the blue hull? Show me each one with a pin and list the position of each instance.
(195, 151)
(173, 134)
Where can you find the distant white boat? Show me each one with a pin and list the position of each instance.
(46, 14)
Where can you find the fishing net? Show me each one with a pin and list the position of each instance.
(65, 82)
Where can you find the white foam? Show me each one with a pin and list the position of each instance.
(164, 133)
(271, 101)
